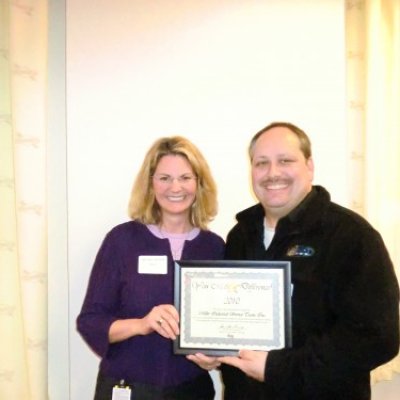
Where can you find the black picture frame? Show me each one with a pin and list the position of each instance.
(221, 306)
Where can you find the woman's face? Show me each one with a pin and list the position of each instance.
(174, 185)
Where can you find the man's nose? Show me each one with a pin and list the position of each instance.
(274, 169)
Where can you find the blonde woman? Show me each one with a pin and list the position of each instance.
(127, 317)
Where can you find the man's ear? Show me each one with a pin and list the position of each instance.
(310, 166)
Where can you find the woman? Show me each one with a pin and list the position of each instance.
(127, 316)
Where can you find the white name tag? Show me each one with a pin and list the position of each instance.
(121, 393)
(153, 265)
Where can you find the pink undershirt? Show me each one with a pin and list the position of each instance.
(176, 240)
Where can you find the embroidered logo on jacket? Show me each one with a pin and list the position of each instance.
(300, 251)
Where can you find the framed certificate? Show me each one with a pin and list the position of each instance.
(225, 306)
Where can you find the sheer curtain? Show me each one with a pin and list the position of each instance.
(23, 225)
(373, 71)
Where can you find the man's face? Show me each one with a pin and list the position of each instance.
(281, 175)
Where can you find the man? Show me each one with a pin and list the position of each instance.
(345, 298)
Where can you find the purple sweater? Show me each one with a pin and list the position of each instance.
(117, 291)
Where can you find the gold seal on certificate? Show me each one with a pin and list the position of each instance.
(226, 306)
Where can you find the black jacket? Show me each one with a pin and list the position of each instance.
(345, 302)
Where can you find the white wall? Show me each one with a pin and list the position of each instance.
(215, 71)
(58, 274)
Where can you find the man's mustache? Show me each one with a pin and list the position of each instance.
(275, 180)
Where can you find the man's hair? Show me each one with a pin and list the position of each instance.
(305, 143)
(143, 205)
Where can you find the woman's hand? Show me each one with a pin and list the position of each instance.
(163, 319)
(204, 361)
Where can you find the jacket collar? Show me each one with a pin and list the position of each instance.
(306, 216)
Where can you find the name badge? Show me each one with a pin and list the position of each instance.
(153, 265)
(121, 393)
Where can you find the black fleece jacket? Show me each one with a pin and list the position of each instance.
(345, 302)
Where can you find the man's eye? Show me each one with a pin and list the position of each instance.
(286, 161)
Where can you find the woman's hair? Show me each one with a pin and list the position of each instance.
(305, 143)
(143, 205)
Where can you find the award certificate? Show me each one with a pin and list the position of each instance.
(225, 306)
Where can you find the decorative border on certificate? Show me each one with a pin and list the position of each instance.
(226, 306)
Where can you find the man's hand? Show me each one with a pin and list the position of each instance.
(204, 361)
(252, 363)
